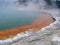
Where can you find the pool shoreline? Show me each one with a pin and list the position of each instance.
(9, 33)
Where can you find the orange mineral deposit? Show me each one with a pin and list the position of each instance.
(44, 20)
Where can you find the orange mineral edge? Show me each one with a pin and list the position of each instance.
(44, 20)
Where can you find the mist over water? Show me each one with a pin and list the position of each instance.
(28, 4)
(14, 13)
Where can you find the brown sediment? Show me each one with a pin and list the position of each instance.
(44, 20)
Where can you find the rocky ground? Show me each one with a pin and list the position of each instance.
(47, 37)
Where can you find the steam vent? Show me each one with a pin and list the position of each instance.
(29, 22)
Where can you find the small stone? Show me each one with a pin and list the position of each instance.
(48, 32)
(55, 40)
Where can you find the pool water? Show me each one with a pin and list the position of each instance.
(10, 18)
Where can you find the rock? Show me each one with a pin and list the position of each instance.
(55, 40)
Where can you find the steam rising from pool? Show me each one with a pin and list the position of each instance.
(13, 9)
(28, 4)
(31, 5)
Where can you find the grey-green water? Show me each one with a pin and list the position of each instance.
(10, 18)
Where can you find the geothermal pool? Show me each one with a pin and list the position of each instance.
(10, 18)
(15, 18)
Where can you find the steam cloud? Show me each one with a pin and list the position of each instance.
(29, 4)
